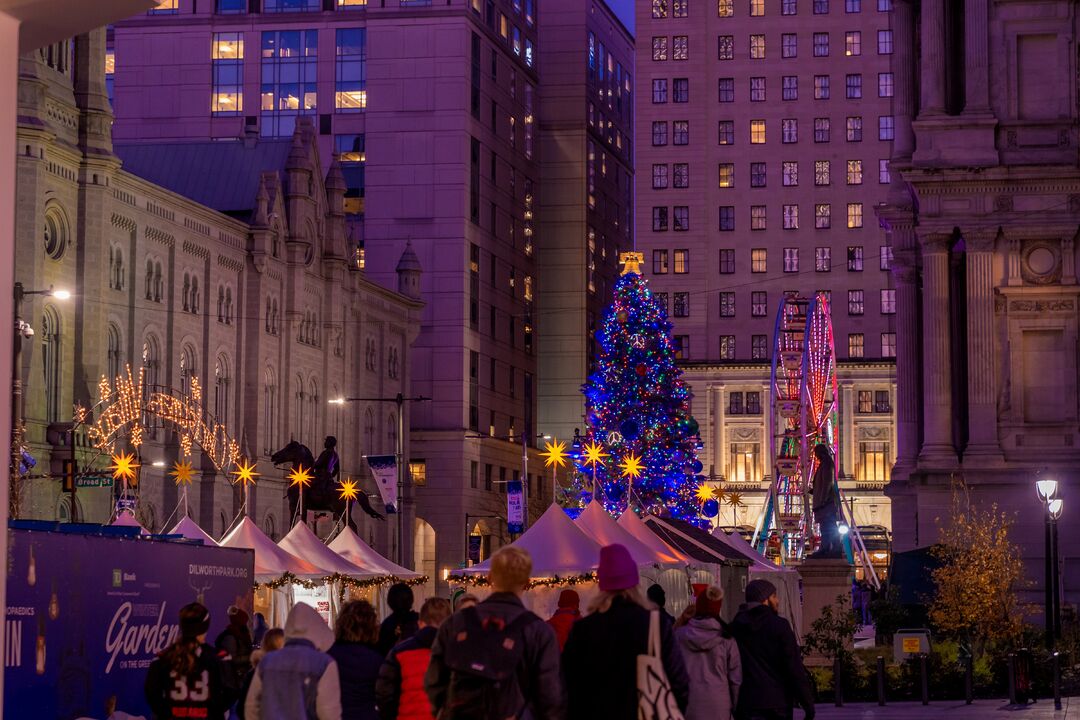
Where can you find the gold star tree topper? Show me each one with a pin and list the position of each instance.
(124, 467)
(300, 476)
(631, 466)
(245, 472)
(182, 472)
(348, 490)
(556, 454)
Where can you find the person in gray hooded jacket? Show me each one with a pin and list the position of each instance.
(712, 660)
(299, 681)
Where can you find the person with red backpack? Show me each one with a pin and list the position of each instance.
(497, 660)
(399, 691)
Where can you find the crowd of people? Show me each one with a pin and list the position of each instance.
(624, 657)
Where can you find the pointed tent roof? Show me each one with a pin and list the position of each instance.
(595, 522)
(271, 562)
(557, 547)
(631, 523)
(301, 542)
(191, 530)
(126, 519)
(349, 546)
(758, 561)
(693, 541)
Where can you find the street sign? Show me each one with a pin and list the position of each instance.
(92, 481)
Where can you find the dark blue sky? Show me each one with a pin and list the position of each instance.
(625, 10)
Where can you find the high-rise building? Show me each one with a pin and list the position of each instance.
(983, 218)
(764, 131)
(586, 199)
(432, 107)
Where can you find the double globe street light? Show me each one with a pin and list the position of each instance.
(1053, 507)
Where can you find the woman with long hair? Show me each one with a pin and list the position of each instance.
(187, 679)
(356, 634)
(600, 658)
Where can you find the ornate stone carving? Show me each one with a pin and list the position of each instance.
(1041, 305)
(936, 242)
(873, 432)
(1041, 263)
(1003, 203)
(1010, 139)
(744, 433)
(980, 239)
(1000, 302)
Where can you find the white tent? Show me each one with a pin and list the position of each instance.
(556, 545)
(348, 545)
(302, 542)
(189, 528)
(126, 519)
(786, 580)
(631, 523)
(595, 522)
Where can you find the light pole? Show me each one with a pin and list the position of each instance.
(1053, 508)
(399, 452)
(23, 330)
(524, 462)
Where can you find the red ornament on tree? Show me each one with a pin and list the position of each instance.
(641, 370)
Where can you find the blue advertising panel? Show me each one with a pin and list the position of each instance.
(87, 614)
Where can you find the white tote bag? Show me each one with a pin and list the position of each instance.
(655, 699)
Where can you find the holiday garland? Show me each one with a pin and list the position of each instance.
(553, 581)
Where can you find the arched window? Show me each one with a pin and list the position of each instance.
(274, 321)
(266, 324)
(151, 358)
(220, 304)
(118, 269)
(269, 411)
(149, 279)
(221, 389)
(187, 292)
(114, 358)
(50, 340)
(298, 416)
(112, 264)
(369, 432)
(56, 232)
(391, 433)
(195, 293)
(315, 416)
(158, 287)
(228, 306)
(188, 368)
(270, 527)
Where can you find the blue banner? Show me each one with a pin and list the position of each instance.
(87, 614)
(515, 507)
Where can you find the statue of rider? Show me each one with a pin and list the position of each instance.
(328, 465)
(826, 503)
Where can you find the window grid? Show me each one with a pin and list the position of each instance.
(888, 301)
(758, 260)
(855, 302)
(791, 217)
(823, 259)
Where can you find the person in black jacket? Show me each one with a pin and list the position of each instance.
(355, 632)
(600, 657)
(188, 680)
(774, 679)
(402, 622)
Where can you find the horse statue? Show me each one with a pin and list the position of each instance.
(323, 493)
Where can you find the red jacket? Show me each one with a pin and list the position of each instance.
(399, 691)
(562, 621)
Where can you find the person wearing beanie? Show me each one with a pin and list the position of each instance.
(187, 679)
(774, 679)
(300, 681)
(600, 658)
(402, 622)
(712, 659)
(235, 643)
(568, 613)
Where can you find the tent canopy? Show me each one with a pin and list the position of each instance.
(595, 522)
(557, 547)
(126, 519)
(357, 552)
(301, 542)
(693, 541)
(190, 529)
(758, 562)
(271, 562)
(631, 523)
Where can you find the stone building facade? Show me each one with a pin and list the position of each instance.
(232, 269)
(983, 217)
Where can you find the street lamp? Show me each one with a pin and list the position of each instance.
(524, 461)
(1053, 507)
(399, 453)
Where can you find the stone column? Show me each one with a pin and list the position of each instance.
(976, 60)
(932, 59)
(908, 331)
(937, 449)
(981, 371)
(847, 425)
(716, 394)
(903, 63)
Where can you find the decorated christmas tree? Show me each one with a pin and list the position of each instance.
(642, 441)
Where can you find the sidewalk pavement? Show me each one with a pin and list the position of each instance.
(954, 710)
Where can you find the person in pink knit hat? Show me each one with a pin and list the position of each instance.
(600, 657)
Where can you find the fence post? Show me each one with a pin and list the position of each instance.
(969, 680)
(924, 679)
(1057, 681)
(880, 680)
(1012, 678)
(838, 682)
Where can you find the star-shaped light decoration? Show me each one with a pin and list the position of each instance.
(720, 494)
(704, 493)
(182, 472)
(631, 466)
(348, 490)
(124, 467)
(245, 472)
(300, 476)
(594, 453)
(555, 457)
(735, 499)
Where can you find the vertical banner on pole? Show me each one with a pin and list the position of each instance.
(475, 543)
(515, 507)
(384, 470)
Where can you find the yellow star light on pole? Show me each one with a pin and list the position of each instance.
(348, 490)
(594, 453)
(735, 499)
(245, 473)
(182, 472)
(124, 467)
(631, 466)
(704, 493)
(300, 476)
(555, 455)
(720, 494)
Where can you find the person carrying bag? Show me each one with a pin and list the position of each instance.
(656, 701)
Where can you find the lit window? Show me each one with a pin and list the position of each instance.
(822, 216)
(727, 218)
(757, 89)
(759, 303)
(883, 175)
(727, 304)
(884, 5)
(680, 223)
(821, 130)
(791, 217)
(757, 8)
(680, 175)
(823, 259)
(725, 47)
(660, 48)
(292, 5)
(517, 41)
(884, 42)
(821, 44)
(166, 7)
(886, 127)
(790, 87)
(788, 7)
(757, 132)
(660, 262)
(855, 302)
(886, 257)
(727, 175)
(789, 130)
(352, 156)
(757, 47)
(659, 133)
(347, 4)
(725, 8)
(680, 132)
(888, 345)
(759, 350)
(659, 9)
(727, 347)
(726, 89)
(680, 47)
(821, 172)
(854, 86)
(821, 7)
(659, 91)
(854, 172)
(529, 53)
(789, 46)
(821, 87)
(854, 129)
(681, 345)
(758, 260)
(757, 217)
(873, 462)
(110, 72)
(852, 6)
(855, 258)
(885, 84)
(227, 56)
(888, 302)
(659, 176)
(680, 8)
(791, 173)
(659, 219)
(855, 345)
(791, 260)
(854, 215)
(853, 43)
(351, 92)
(289, 64)
(726, 132)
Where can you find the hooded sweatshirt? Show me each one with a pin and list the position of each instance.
(712, 662)
(299, 681)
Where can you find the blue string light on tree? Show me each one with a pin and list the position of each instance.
(638, 405)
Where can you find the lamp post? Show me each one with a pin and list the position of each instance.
(1052, 507)
(524, 461)
(24, 331)
(399, 453)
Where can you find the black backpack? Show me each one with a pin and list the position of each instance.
(483, 658)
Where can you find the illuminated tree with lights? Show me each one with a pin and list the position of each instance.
(638, 407)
